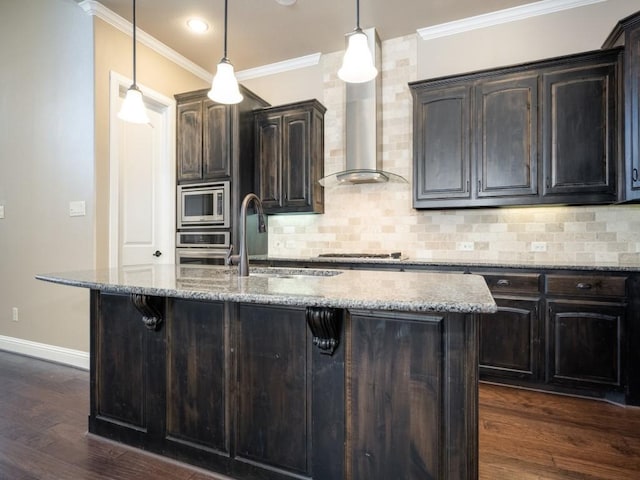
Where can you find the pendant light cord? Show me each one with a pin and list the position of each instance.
(357, 14)
(225, 28)
(134, 43)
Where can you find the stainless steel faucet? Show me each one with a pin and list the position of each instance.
(242, 259)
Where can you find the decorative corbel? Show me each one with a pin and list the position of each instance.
(151, 316)
(325, 328)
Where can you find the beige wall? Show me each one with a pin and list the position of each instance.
(54, 148)
(113, 52)
(46, 161)
(379, 218)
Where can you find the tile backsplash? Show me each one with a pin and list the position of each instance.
(380, 218)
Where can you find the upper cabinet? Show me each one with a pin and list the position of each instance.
(539, 133)
(211, 135)
(203, 139)
(290, 157)
(627, 33)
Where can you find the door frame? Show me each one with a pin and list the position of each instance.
(166, 106)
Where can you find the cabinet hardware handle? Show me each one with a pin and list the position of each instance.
(634, 176)
(584, 286)
(479, 185)
(503, 283)
(467, 188)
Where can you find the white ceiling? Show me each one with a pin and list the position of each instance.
(262, 32)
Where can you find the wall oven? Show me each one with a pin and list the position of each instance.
(201, 256)
(203, 205)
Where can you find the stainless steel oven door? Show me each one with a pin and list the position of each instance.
(201, 256)
(195, 239)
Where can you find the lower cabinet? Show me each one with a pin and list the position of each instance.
(577, 346)
(510, 340)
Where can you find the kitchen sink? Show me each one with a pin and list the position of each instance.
(279, 272)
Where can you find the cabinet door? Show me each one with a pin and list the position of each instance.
(269, 153)
(632, 115)
(273, 398)
(507, 137)
(296, 159)
(216, 154)
(196, 376)
(189, 139)
(584, 347)
(441, 145)
(510, 341)
(579, 127)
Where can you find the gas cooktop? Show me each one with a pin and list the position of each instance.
(394, 255)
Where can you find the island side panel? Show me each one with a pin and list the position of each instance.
(127, 398)
(410, 412)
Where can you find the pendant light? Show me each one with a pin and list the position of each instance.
(357, 65)
(224, 88)
(133, 109)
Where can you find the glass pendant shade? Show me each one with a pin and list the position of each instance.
(357, 65)
(224, 88)
(133, 109)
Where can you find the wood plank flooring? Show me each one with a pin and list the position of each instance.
(524, 435)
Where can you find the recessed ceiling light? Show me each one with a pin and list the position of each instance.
(286, 3)
(197, 25)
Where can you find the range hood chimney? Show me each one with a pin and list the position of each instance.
(363, 130)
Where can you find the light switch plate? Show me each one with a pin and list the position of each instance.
(1, 211)
(77, 209)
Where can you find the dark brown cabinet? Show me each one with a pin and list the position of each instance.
(539, 133)
(442, 145)
(627, 34)
(506, 140)
(203, 140)
(511, 339)
(585, 321)
(290, 157)
(579, 131)
(212, 139)
(126, 389)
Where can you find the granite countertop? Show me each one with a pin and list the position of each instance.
(351, 289)
(462, 263)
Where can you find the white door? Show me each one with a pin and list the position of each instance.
(142, 190)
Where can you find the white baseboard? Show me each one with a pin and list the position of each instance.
(52, 353)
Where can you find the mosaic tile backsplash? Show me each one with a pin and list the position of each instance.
(380, 218)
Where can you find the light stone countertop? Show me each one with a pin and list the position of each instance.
(351, 289)
(476, 263)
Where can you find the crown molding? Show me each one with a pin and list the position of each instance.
(507, 15)
(95, 8)
(279, 67)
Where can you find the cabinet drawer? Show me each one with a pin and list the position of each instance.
(527, 283)
(586, 285)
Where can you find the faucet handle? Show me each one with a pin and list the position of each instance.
(229, 258)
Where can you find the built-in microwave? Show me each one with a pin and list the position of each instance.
(203, 205)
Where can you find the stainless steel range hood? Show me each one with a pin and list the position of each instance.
(363, 130)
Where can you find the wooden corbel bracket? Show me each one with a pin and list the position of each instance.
(325, 328)
(151, 316)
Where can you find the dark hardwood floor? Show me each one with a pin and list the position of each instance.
(524, 435)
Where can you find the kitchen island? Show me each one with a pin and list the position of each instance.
(288, 373)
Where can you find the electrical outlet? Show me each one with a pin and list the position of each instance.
(538, 246)
(14, 314)
(465, 246)
(1, 211)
